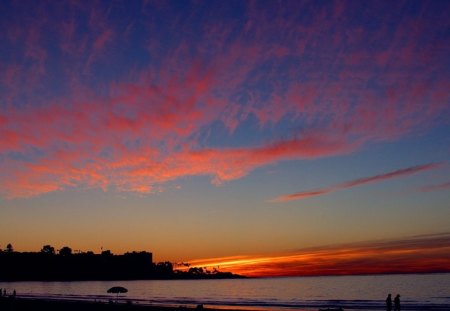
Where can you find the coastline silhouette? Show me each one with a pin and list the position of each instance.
(65, 265)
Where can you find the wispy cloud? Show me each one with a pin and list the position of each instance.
(436, 187)
(358, 182)
(420, 254)
(86, 101)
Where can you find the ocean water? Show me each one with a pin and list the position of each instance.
(418, 292)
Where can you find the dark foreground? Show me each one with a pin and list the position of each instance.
(33, 304)
(27, 304)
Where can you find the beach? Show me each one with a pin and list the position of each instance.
(42, 304)
(34, 304)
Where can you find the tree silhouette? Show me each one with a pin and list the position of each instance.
(65, 251)
(196, 270)
(48, 249)
(164, 268)
(9, 248)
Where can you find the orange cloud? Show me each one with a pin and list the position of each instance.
(358, 182)
(229, 164)
(421, 254)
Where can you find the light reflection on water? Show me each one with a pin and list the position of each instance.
(361, 292)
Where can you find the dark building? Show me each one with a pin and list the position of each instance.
(84, 266)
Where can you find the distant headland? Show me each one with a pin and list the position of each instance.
(65, 265)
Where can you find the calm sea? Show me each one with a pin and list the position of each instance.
(418, 292)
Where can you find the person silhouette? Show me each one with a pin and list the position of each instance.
(389, 303)
(397, 303)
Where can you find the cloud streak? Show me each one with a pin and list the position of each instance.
(358, 182)
(420, 254)
(436, 187)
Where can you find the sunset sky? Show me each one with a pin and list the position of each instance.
(260, 136)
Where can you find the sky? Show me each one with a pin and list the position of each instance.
(260, 136)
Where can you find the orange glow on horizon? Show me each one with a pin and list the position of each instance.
(416, 255)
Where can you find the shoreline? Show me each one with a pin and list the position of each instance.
(234, 277)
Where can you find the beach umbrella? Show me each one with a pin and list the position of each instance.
(117, 290)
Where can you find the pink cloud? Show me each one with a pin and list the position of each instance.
(34, 49)
(394, 174)
(145, 125)
(358, 182)
(436, 187)
(100, 42)
(229, 164)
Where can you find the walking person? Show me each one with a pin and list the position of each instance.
(397, 303)
(389, 303)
